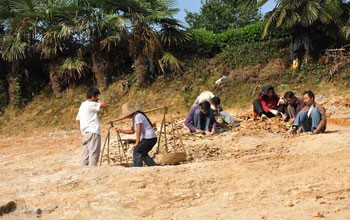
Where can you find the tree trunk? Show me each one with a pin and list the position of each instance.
(141, 71)
(99, 68)
(55, 80)
(14, 89)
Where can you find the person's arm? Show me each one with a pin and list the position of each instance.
(78, 124)
(264, 106)
(102, 104)
(130, 131)
(215, 123)
(323, 121)
(189, 121)
(138, 133)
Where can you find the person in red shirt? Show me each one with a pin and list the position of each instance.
(267, 105)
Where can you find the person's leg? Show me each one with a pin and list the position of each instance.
(94, 151)
(316, 119)
(282, 108)
(147, 148)
(136, 156)
(302, 120)
(291, 112)
(226, 117)
(197, 120)
(86, 144)
(258, 108)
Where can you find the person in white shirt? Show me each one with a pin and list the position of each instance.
(215, 106)
(89, 126)
(146, 138)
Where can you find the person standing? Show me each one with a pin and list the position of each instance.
(89, 126)
(146, 138)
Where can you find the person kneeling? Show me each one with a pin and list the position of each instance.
(201, 118)
(312, 118)
(146, 138)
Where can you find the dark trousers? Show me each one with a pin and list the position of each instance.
(141, 153)
(259, 109)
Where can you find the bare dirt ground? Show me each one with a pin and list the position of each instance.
(266, 176)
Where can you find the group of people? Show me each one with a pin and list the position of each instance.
(302, 112)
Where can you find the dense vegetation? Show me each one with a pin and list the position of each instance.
(60, 44)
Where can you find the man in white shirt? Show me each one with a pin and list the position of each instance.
(89, 126)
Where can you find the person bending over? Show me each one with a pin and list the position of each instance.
(201, 118)
(146, 138)
(295, 105)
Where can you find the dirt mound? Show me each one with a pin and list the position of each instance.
(260, 72)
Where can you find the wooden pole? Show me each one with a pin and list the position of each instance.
(148, 111)
(103, 149)
(173, 132)
(121, 143)
(160, 134)
(109, 137)
(178, 133)
(120, 153)
(165, 138)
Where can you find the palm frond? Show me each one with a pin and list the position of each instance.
(73, 67)
(12, 48)
(169, 60)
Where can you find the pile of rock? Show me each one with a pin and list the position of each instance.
(252, 126)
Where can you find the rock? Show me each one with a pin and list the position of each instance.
(38, 213)
(289, 204)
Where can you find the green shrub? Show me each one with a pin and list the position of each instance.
(203, 43)
(208, 44)
(254, 53)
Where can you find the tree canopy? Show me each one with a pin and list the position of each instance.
(220, 15)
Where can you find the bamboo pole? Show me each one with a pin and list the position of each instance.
(103, 149)
(178, 133)
(173, 132)
(109, 137)
(160, 134)
(165, 137)
(121, 143)
(148, 111)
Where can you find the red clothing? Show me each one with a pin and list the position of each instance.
(268, 104)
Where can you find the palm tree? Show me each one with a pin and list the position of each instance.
(152, 29)
(15, 42)
(100, 29)
(304, 19)
(57, 43)
(13, 51)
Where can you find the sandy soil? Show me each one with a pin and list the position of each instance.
(267, 176)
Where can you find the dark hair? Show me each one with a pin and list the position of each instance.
(310, 94)
(205, 106)
(92, 92)
(289, 95)
(216, 100)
